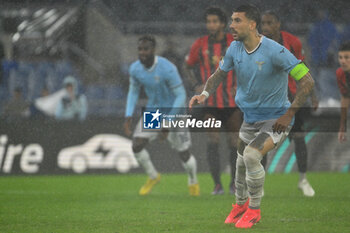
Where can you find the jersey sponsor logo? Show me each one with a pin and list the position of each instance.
(157, 78)
(260, 63)
(282, 51)
(152, 120)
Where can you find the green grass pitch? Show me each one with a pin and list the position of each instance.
(110, 203)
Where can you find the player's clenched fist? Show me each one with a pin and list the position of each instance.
(197, 99)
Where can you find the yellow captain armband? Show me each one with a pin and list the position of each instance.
(299, 71)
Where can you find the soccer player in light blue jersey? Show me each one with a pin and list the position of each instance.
(163, 87)
(262, 67)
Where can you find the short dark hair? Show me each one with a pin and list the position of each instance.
(345, 46)
(272, 13)
(251, 12)
(149, 38)
(213, 10)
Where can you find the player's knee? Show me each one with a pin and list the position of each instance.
(184, 155)
(251, 156)
(138, 144)
(252, 159)
(240, 162)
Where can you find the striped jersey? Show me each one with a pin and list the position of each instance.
(343, 80)
(207, 53)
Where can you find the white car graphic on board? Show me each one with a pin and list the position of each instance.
(103, 151)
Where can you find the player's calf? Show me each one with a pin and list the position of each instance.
(255, 176)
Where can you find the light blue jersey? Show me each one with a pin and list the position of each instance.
(162, 84)
(262, 78)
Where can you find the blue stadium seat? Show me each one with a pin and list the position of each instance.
(114, 92)
(95, 92)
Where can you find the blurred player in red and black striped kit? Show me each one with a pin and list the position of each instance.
(206, 52)
(270, 26)
(343, 79)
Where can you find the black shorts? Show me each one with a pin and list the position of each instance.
(299, 120)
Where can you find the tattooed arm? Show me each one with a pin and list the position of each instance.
(305, 88)
(210, 87)
(214, 81)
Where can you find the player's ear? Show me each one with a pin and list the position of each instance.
(252, 25)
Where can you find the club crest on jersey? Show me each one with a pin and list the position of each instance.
(260, 63)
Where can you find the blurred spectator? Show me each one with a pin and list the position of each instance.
(345, 32)
(323, 39)
(17, 107)
(345, 35)
(45, 106)
(38, 109)
(73, 105)
(323, 33)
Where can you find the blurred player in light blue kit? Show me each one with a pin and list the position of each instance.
(262, 67)
(164, 88)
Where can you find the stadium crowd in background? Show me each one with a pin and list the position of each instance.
(17, 107)
(73, 105)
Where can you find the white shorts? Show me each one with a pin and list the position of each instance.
(178, 140)
(248, 132)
